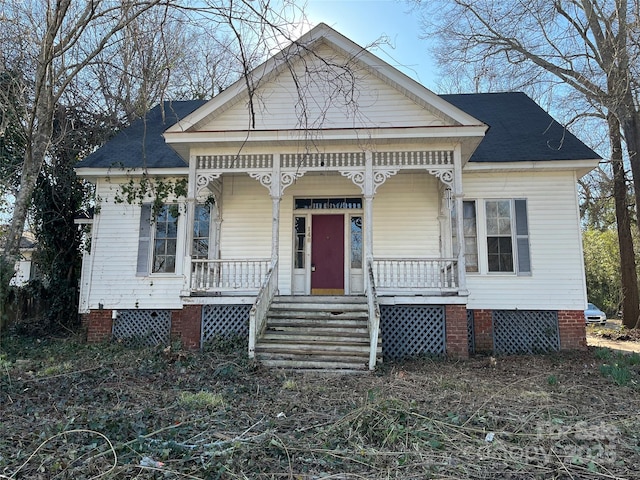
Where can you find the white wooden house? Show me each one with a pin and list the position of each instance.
(320, 218)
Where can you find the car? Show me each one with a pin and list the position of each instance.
(594, 315)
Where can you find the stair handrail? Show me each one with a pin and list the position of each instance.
(373, 316)
(260, 308)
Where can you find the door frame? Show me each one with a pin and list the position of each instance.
(301, 278)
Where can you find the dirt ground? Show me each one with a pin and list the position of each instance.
(72, 411)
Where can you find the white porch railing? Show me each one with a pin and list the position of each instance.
(416, 274)
(374, 316)
(228, 275)
(259, 310)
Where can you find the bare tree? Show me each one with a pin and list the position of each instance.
(586, 46)
(52, 45)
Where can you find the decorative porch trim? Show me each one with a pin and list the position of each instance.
(203, 180)
(323, 161)
(359, 178)
(446, 176)
(234, 162)
(413, 159)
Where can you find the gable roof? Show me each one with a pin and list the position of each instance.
(299, 51)
(519, 129)
(141, 144)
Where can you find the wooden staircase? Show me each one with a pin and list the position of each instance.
(316, 333)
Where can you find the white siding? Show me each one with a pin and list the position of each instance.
(115, 249)
(557, 279)
(405, 217)
(246, 219)
(330, 101)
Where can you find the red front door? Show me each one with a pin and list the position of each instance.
(327, 255)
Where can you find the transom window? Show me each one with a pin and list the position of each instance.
(328, 203)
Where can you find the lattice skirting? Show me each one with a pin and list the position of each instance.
(225, 321)
(142, 327)
(525, 331)
(412, 330)
(471, 334)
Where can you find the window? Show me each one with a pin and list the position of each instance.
(300, 241)
(470, 234)
(201, 223)
(507, 236)
(356, 242)
(165, 239)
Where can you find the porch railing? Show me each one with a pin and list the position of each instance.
(374, 316)
(416, 274)
(228, 275)
(259, 310)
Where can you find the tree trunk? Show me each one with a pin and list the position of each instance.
(629, 278)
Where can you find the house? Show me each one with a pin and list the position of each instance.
(333, 210)
(24, 266)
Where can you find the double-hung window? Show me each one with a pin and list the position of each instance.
(165, 239)
(201, 227)
(507, 236)
(469, 231)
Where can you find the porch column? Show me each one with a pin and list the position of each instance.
(458, 195)
(190, 214)
(276, 197)
(368, 193)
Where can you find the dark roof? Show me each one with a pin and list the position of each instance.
(142, 144)
(519, 129)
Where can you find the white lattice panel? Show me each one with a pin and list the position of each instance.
(225, 321)
(142, 327)
(525, 331)
(412, 330)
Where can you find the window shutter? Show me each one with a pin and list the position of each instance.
(144, 240)
(522, 237)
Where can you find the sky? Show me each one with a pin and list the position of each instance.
(366, 21)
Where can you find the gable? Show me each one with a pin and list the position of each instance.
(323, 89)
(323, 81)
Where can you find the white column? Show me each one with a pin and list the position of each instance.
(458, 195)
(190, 214)
(368, 191)
(276, 196)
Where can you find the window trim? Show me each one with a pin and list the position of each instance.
(152, 243)
(515, 250)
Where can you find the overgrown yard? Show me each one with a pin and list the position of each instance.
(75, 411)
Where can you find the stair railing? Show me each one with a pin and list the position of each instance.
(373, 317)
(260, 308)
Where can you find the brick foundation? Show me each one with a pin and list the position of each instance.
(99, 325)
(573, 335)
(456, 331)
(483, 331)
(186, 326)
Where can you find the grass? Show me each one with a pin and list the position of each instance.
(75, 411)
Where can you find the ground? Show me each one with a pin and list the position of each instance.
(70, 410)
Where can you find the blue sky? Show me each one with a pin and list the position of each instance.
(365, 21)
